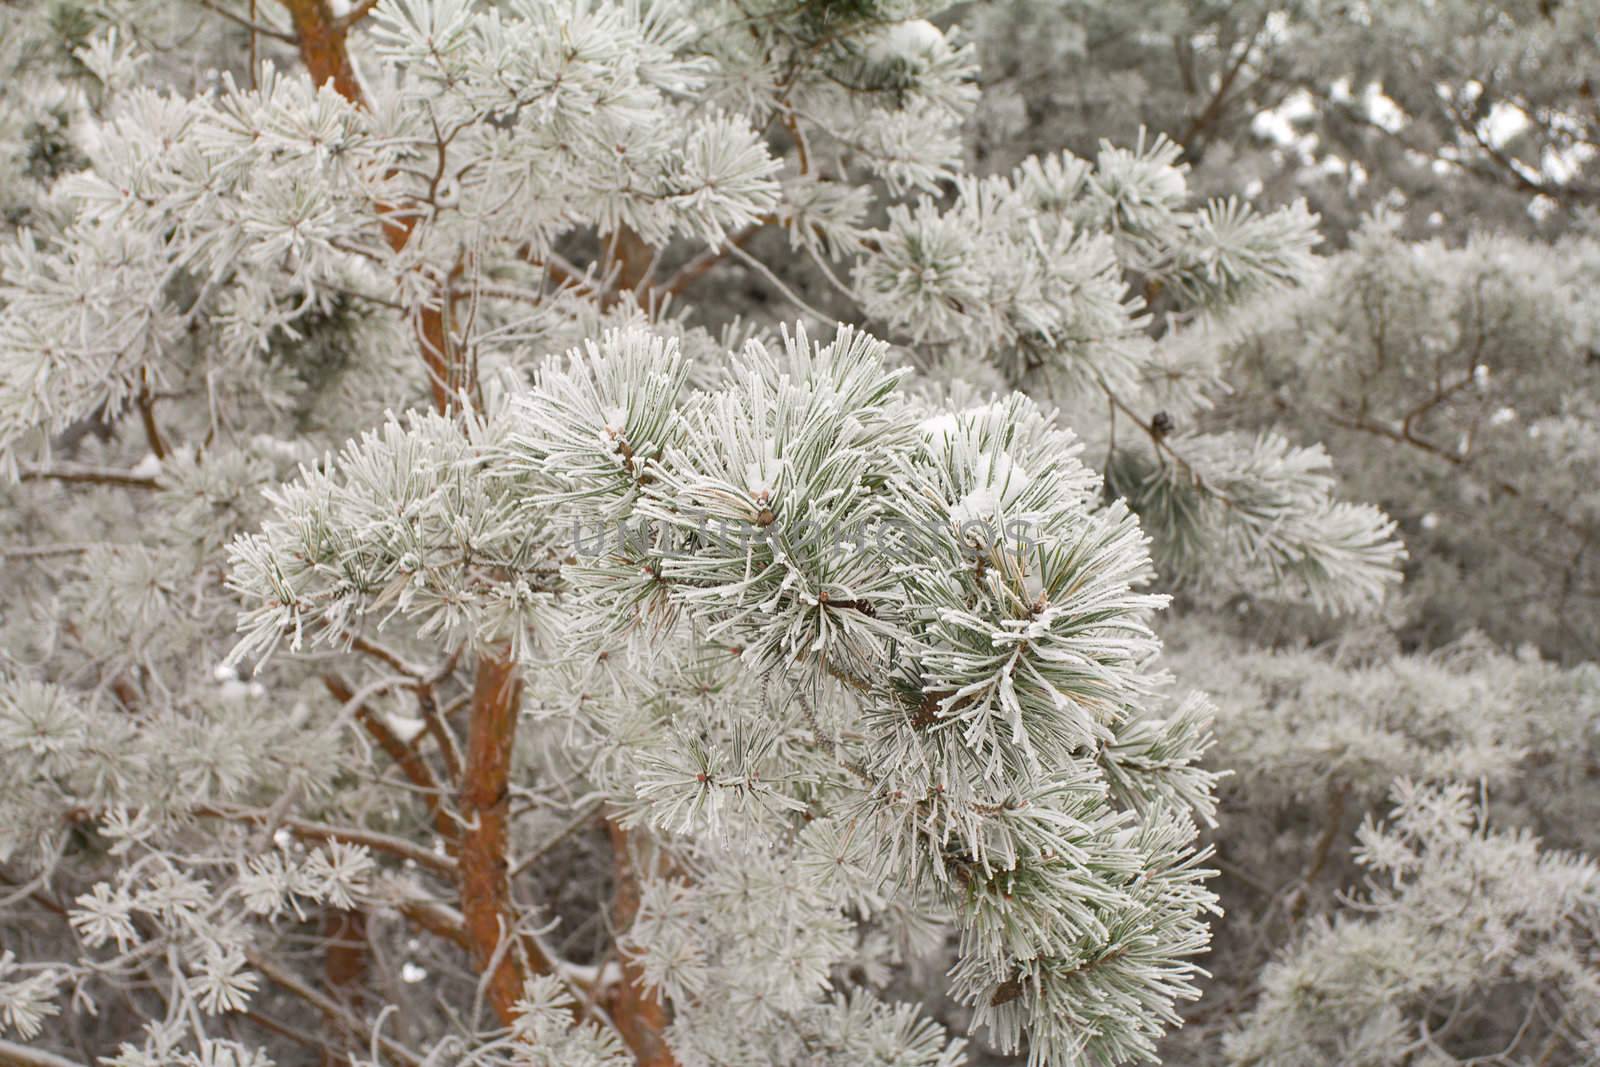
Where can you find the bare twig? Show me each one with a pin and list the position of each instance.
(82, 473)
(701, 265)
(1208, 116)
(249, 24)
(283, 979)
(582, 819)
(398, 847)
(17, 1056)
(147, 417)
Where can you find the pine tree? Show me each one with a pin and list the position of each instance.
(1455, 387)
(443, 626)
(1457, 115)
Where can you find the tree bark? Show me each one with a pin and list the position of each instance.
(344, 964)
(321, 40)
(485, 885)
(640, 1018)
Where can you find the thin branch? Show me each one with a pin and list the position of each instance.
(405, 756)
(79, 472)
(17, 1056)
(761, 268)
(435, 918)
(283, 1029)
(386, 655)
(286, 981)
(1406, 436)
(355, 14)
(438, 729)
(1333, 822)
(345, 966)
(639, 1016)
(147, 417)
(305, 829)
(1208, 116)
(701, 265)
(255, 48)
(583, 818)
(252, 26)
(40, 551)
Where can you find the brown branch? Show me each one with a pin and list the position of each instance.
(556, 269)
(17, 1056)
(434, 918)
(433, 722)
(1441, 394)
(41, 551)
(701, 265)
(307, 830)
(147, 416)
(1333, 821)
(322, 47)
(384, 655)
(298, 1036)
(283, 979)
(249, 24)
(640, 1018)
(74, 472)
(344, 966)
(633, 258)
(445, 922)
(1508, 165)
(1208, 116)
(355, 14)
(1406, 436)
(404, 755)
(485, 887)
(321, 38)
(581, 820)
(433, 338)
(1471, 166)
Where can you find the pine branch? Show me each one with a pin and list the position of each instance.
(298, 1036)
(43, 551)
(1333, 822)
(766, 272)
(1208, 116)
(439, 729)
(405, 756)
(72, 472)
(628, 260)
(1407, 436)
(398, 847)
(386, 656)
(436, 919)
(578, 822)
(321, 38)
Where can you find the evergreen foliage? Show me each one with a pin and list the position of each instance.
(600, 532)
